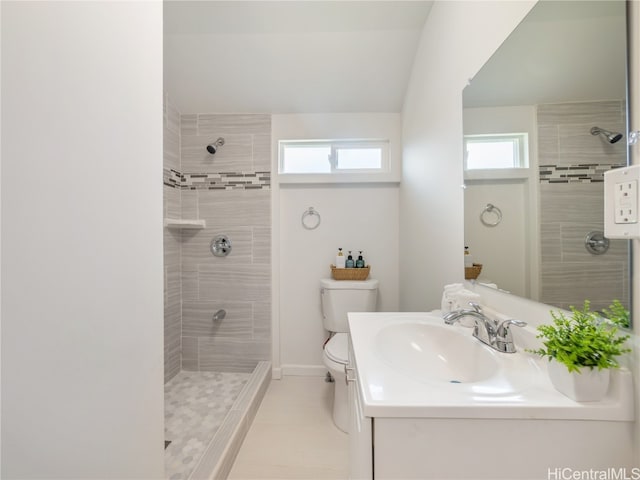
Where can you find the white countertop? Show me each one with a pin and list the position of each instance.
(387, 391)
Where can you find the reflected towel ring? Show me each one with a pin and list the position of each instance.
(491, 209)
(311, 219)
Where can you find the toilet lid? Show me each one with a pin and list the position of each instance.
(338, 348)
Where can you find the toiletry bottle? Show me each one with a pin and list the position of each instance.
(360, 261)
(350, 263)
(340, 260)
(468, 258)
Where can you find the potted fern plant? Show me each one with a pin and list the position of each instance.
(582, 349)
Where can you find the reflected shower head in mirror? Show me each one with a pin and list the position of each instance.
(611, 137)
(212, 148)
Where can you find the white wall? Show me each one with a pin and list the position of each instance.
(508, 251)
(354, 217)
(82, 389)
(457, 39)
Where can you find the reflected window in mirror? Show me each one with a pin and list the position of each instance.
(496, 151)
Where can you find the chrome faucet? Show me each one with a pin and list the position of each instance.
(495, 334)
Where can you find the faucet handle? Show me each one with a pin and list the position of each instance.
(503, 338)
(503, 326)
(476, 307)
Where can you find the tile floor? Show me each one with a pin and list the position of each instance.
(196, 404)
(293, 435)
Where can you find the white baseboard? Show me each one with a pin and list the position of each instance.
(304, 370)
(276, 373)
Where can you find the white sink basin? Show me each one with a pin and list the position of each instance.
(448, 357)
(407, 365)
(435, 353)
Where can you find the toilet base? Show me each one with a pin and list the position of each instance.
(340, 403)
(340, 394)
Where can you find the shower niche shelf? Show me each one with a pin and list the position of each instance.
(185, 224)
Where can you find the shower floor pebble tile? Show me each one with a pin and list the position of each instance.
(196, 404)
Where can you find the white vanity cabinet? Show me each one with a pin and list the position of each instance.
(406, 427)
(360, 432)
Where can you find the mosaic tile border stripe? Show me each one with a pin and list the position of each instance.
(579, 173)
(217, 181)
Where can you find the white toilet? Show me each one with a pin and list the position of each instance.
(340, 297)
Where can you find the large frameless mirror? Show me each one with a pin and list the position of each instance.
(543, 120)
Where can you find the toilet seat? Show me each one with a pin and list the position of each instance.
(337, 348)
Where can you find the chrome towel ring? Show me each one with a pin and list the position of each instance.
(491, 215)
(311, 219)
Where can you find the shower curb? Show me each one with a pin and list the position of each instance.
(218, 458)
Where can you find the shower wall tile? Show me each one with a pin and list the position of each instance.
(575, 202)
(230, 191)
(172, 202)
(569, 284)
(172, 248)
(171, 146)
(172, 118)
(548, 144)
(196, 248)
(173, 286)
(190, 353)
(262, 153)
(572, 164)
(234, 283)
(172, 340)
(224, 124)
(236, 207)
(198, 320)
(591, 113)
(262, 321)
(227, 355)
(172, 239)
(573, 245)
(171, 135)
(189, 203)
(577, 146)
(189, 283)
(188, 125)
(262, 245)
(550, 243)
(235, 155)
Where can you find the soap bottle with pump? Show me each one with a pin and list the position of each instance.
(340, 260)
(350, 263)
(468, 258)
(360, 261)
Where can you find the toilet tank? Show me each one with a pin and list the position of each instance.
(340, 297)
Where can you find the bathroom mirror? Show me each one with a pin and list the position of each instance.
(530, 152)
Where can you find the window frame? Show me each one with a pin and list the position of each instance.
(520, 140)
(338, 174)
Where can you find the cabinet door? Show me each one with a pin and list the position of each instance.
(360, 439)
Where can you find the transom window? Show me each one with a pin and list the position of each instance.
(509, 150)
(333, 156)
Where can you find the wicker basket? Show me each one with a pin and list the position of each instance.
(350, 273)
(471, 273)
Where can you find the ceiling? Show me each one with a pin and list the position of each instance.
(563, 51)
(290, 56)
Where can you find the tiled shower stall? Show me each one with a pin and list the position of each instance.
(572, 164)
(230, 191)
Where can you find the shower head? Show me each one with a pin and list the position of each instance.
(212, 148)
(612, 137)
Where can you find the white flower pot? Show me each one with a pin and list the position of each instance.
(590, 385)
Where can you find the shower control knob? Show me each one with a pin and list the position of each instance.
(634, 137)
(220, 246)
